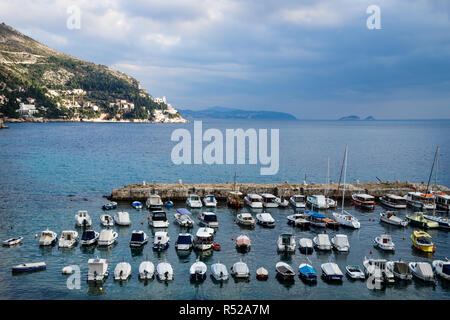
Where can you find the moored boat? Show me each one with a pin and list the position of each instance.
(391, 217)
(82, 219)
(146, 270)
(193, 201)
(421, 201)
(298, 201)
(137, 205)
(444, 223)
(384, 242)
(322, 242)
(161, 241)
(315, 219)
(122, 272)
(307, 272)
(107, 237)
(122, 218)
(363, 201)
(377, 270)
(204, 239)
(268, 200)
(154, 202)
(422, 241)
(393, 201)
(347, 220)
(243, 242)
(417, 219)
(422, 270)
(106, 220)
(400, 269)
(298, 220)
(210, 201)
(198, 270)
(29, 267)
(159, 219)
(284, 271)
(89, 237)
(48, 238)
(317, 201)
(12, 241)
(262, 273)
(110, 206)
(219, 271)
(98, 270)
(183, 218)
(234, 199)
(442, 201)
(442, 268)
(68, 239)
(286, 243)
(253, 201)
(240, 270)
(185, 241)
(245, 219)
(164, 271)
(340, 243)
(208, 219)
(265, 219)
(331, 271)
(306, 246)
(355, 272)
(282, 203)
(138, 238)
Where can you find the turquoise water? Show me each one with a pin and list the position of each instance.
(49, 171)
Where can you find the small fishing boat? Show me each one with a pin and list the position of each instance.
(262, 274)
(158, 219)
(306, 246)
(322, 242)
(391, 217)
(253, 201)
(183, 218)
(234, 199)
(185, 241)
(393, 201)
(331, 223)
(161, 241)
(331, 271)
(219, 271)
(82, 219)
(268, 200)
(240, 270)
(110, 206)
(169, 204)
(363, 201)
(107, 237)
(245, 220)
(193, 201)
(122, 218)
(422, 270)
(12, 241)
(442, 201)
(204, 239)
(422, 241)
(164, 271)
(307, 272)
(377, 270)
(146, 270)
(400, 269)
(340, 243)
(286, 243)
(444, 223)
(282, 203)
(29, 267)
(122, 271)
(198, 271)
(89, 237)
(210, 201)
(138, 239)
(355, 272)
(442, 268)
(154, 202)
(417, 219)
(347, 220)
(421, 201)
(317, 201)
(68, 239)
(298, 220)
(98, 270)
(298, 201)
(48, 238)
(384, 242)
(137, 205)
(284, 271)
(208, 219)
(265, 219)
(243, 242)
(315, 219)
(106, 220)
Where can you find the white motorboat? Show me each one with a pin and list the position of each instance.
(154, 202)
(347, 220)
(138, 238)
(161, 241)
(89, 237)
(442, 200)
(110, 205)
(98, 270)
(137, 205)
(193, 201)
(198, 270)
(391, 217)
(208, 219)
(283, 203)
(322, 242)
(378, 271)
(363, 201)
(204, 239)
(107, 237)
(106, 220)
(400, 269)
(68, 239)
(122, 218)
(393, 201)
(298, 201)
(122, 271)
(210, 201)
(240, 270)
(164, 271)
(355, 272)
(243, 242)
(183, 218)
(146, 270)
(12, 241)
(265, 219)
(340, 243)
(48, 238)
(331, 271)
(253, 201)
(442, 268)
(286, 243)
(317, 201)
(219, 271)
(298, 220)
(185, 241)
(29, 267)
(444, 223)
(305, 246)
(421, 201)
(268, 200)
(245, 219)
(331, 203)
(284, 271)
(159, 219)
(384, 242)
(82, 219)
(422, 270)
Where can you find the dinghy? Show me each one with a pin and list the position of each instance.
(444, 223)
(12, 241)
(442, 268)
(284, 271)
(208, 219)
(89, 237)
(355, 272)
(164, 271)
(298, 201)
(106, 220)
(219, 271)
(107, 237)
(243, 242)
(159, 219)
(322, 242)
(29, 267)
(137, 205)
(98, 270)
(265, 219)
(122, 218)
(384, 242)
(193, 201)
(331, 271)
(306, 246)
(138, 239)
(340, 243)
(377, 270)
(110, 206)
(204, 239)
(422, 241)
(262, 274)
(146, 270)
(68, 239)
(210, 201)
(198, 271)
(245, 220)
(82, 219)
(48, 238)
(391, 217)
(298, 220)
(240, 270)
(184, 242)
(168, 204)
(286, 243)
(400, 269)
(182, 218)
(161, 241)
(154, 202)
(122, 271)
(307, 272)
(422, 270)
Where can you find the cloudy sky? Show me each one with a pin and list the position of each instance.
(313, 58)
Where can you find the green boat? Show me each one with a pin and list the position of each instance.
(417, 219)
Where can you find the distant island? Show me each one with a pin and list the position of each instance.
(356, 118)
(231, 113)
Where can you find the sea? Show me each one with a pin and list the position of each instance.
(49, 171)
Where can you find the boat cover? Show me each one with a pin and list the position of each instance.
(315, 214)
(137, 236)
(331, 269)
(446, 268)
(285, 269)
(184, 239)
(266, 217)
(305, 242)
(341, 240)
(183, 211)
(323, 239)
(240, 268)
(306, 269)
(211, 217)
(424, 268)
(401, 267)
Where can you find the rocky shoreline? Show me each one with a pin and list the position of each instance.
(44, 120)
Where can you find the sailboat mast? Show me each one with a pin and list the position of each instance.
(437, 168)
(345, 175)
(432, 167)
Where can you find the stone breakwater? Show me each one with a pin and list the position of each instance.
(180, 191)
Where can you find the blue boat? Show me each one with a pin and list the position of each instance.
(315, 219)
(169, 204)
(307, 272)
(110, 206)
(29, 267)
(137, 205)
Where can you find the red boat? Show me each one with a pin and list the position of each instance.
(364, 201)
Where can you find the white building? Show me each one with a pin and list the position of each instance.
(27, 109)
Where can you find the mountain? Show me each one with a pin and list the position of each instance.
(356, 118)
(230, 113)
(60, 86)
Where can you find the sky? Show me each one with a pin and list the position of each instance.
(315, 59)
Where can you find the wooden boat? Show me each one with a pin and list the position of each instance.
(442, 268)
(384, 242)
(12, 241)
(29, 267)
(422, 270)
(400, 269)
(444, 223)
(422, 241)
(243, 242)
(363, 201)
(355, 272)
(417, 219)
(262, 274)
(391, 217)
(284, 271)
(393, 201)
(245, 220)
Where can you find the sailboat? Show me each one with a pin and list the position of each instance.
(330, 202)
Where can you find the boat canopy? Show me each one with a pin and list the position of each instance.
(315, 214)
(424, 268)
(137, 236)
(159, 216)
(341, 240)
(184, 239)
(401, 267)
(240, 267)
(210, 217)
(331, 269)
(306, 269)
(267, 217)
(88, 235)
(183, 211)
(446, 268)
